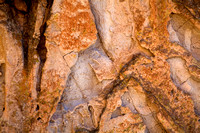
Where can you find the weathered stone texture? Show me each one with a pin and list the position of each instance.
(11, 73)
(184, 32)
(100, 66)
(71, 25)
(142, 27)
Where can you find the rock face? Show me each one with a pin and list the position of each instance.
(99, 66)
(184, 32)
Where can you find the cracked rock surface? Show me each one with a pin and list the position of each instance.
(102, 66)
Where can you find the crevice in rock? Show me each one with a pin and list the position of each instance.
(39, 118)
(42, 51)
(28, 31)
(41, 48)
(132, 76)
(158, 102)
(2, 88)
(116, 84)
(119, 84)
(163, 107)
(37, 108)
(91, 111)
(155, 98)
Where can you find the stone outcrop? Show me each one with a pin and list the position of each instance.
(99, 66)
(183, 79)
(184, 32)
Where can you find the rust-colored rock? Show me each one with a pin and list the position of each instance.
(100, 66)
(71, 25)
(20, 5)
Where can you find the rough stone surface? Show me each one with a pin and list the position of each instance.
(20, 5)
(184, 32)
(11, 77)
(80, 66)
(71, 25)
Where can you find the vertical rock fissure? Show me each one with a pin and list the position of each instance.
(2, 88)
(25, 33)
(28, 31)
(41, 48)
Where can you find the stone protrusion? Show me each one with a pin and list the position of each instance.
(71, 25)
(182, 79)
(139, 100)
(115, 34)
(20, 5)
(11, 60)
(185, 33)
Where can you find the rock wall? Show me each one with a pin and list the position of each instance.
(99, 66)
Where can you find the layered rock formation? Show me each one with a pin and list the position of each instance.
(100, 66)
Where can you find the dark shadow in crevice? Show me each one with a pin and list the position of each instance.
(28, 31)
(41, 48)
(39, 118)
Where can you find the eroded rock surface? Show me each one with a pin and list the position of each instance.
(99, 66)
(11, 73)
(183, 79)
(184, 32)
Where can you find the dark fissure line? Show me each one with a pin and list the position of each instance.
(140, 80)
(42, 51)
(28, 31)
(2, 85)
(13, 11)
(116, 85)
(41, 48)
